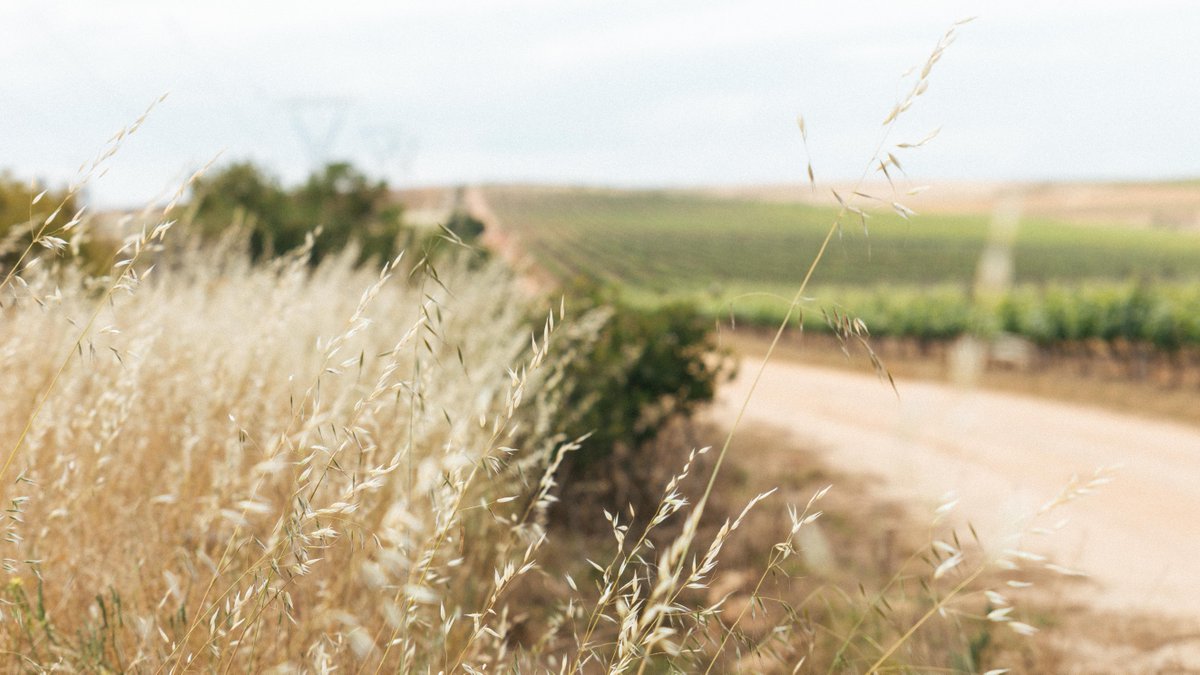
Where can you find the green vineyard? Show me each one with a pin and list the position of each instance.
(742, 260)
(1163, 314)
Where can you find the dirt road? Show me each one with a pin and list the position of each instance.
(1004, 456)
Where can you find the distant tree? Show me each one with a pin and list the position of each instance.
(344, 203)
(348, 206)
(464, 225)
(242, 194)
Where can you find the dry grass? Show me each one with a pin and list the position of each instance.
(237, 449)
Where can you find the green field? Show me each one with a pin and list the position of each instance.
(659, 241)
(911, 278)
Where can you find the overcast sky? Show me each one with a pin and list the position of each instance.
(619, 93)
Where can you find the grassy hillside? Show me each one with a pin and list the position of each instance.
(668, 242)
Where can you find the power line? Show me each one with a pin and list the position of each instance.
(318, 121)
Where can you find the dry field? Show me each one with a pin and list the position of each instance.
(1162, 205)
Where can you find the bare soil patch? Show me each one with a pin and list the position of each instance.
(1169, 392)
(870, 526)
(1004, 455)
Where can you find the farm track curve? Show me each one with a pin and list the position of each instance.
(1003, 456)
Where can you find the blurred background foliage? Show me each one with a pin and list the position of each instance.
(21, 217)
(344, 203)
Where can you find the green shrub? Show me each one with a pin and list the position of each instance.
(643, 369)
(464, 226)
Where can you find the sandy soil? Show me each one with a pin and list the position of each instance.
(1004, 456)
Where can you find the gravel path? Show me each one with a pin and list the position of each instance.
(1004, 456)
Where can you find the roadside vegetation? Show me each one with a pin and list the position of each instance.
(1140, 325)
